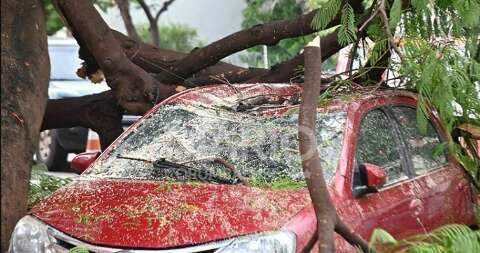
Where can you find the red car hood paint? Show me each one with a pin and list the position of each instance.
(152, 214)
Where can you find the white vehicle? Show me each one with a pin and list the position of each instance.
(55, 145)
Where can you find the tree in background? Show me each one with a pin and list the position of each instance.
(179, 37)
(53, 20)
(153, 17)
(124, 8)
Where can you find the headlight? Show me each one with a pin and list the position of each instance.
(274, 242)
(30, 235)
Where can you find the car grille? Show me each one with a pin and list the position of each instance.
(66, 243)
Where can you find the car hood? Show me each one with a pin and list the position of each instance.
(152, 214)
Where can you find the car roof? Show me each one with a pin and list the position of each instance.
(228, 95)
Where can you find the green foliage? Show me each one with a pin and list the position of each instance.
(53, 20)
(259, 12)
(395, 14)
(347, 33)
(440, 56)
(445, 73)
(278, 183)
(449, 239)
(43, 184)
(327, 10)
(179, 37)
(78, 249)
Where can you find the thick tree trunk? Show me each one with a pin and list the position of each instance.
(99, 112)
(154, 33)
(135, 89)
(25, 74)
(153, 20)
(124, 8)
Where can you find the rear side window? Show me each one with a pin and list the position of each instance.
(421, 147)
(378, 145)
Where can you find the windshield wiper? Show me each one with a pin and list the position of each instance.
(226, 164)
(162, 163)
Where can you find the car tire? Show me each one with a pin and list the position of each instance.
(50, 152)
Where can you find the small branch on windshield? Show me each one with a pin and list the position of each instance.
(225, 163)
(232, 169)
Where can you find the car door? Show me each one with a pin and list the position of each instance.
(441, 186)
(394, 207)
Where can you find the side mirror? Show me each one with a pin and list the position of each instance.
(81, 162)
(368, 178)
(375, 175)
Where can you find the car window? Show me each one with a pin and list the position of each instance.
(421, 147)
(378, 145)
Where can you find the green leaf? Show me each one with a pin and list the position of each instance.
(326, 32)
(347, 31)
(419, 5)
(395, 14)
(78, 249)
(422, 121)
(325, 13)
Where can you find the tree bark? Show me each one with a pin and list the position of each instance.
(135, 89)
(124, 8)
(324, 209)
(25, 74)
(99, 112)
(328, 220)
(153, 59)
(268, 34)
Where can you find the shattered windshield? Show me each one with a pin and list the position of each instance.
(263, 149)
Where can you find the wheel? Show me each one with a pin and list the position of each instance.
(50, 152)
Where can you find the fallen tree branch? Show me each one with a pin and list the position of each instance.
(328, 220)
(324, 209)
(99, 112)
(267, 34)
(135, 89)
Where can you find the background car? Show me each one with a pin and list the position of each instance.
(54, 146)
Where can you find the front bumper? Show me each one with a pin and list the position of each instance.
(64, 243)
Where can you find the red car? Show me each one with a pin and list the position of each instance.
(216, 169)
